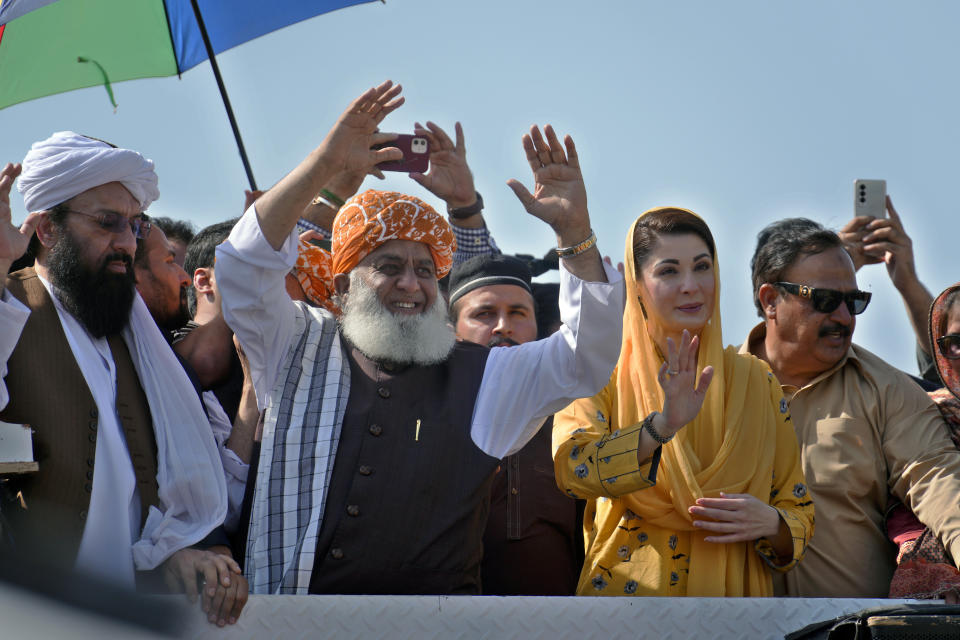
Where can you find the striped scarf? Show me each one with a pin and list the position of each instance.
(301, 430)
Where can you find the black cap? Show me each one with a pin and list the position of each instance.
(487, 270)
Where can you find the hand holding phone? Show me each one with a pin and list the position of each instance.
(416, 154)
(870, 198)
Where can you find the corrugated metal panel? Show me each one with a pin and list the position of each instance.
(530, 618)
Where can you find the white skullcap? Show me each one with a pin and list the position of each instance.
(66, 164)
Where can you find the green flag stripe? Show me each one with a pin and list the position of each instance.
(38, 54)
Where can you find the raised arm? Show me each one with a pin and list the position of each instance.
(13, 239)
(450, 179)
(346, 149)
(560, 199)
(875, 240)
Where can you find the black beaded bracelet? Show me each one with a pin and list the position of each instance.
(648, 426)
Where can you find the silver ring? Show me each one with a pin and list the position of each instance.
(672, 373)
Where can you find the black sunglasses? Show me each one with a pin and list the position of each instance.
(827, 300)
(950, 346)
(117, 222)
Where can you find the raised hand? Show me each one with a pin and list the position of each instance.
(13, 239)
(682, 400)
(449, 177)
(852, 236)
(559, 197)
(886, 241)
(347, 147)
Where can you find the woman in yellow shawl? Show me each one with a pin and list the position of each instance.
(681, 501)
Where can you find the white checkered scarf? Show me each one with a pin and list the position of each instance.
(301, 430)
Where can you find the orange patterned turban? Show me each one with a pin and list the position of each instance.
(364, 223)
(372, 218)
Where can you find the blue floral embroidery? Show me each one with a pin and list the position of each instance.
(630, 588)
(783, 405)
(599, 582)
(581, 471)
(575, 453)
(630, 515)
(600, 416)
(606, 460)
(673, 543)
(612, 480)
(799, 490)
(642, 537)
(623, 551)
(580, 430)
(572, 494)
(674, 578)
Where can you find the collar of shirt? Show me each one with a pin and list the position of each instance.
(759, 333)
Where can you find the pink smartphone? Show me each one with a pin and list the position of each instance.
(416, 154)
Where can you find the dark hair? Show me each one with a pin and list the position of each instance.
(175, 229)
(666, 222)
(56, 214)
(780, 244)
(950, 300)
(202, 253)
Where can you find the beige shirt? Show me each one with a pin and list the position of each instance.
(866, 430)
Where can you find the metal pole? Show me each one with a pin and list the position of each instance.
(223, 94)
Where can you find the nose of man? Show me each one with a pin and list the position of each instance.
(124, 242)
(182, 276)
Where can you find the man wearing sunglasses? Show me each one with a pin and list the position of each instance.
(865, 429)
(86, 367)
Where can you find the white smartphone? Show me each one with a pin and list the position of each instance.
(870, 198)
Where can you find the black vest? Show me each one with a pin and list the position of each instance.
(406, 508)
(49, 393)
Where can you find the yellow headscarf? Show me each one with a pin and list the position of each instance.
(720, 450)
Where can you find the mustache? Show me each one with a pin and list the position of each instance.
(834, 327)
(497, 341)
(119, 257)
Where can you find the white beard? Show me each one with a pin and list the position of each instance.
(423, 339)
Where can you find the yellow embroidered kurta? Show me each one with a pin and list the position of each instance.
(627, 554)
(638, 530)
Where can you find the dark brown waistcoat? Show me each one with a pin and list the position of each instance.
(405, 511)
(49, 393)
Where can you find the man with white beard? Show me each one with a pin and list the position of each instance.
(382, 433)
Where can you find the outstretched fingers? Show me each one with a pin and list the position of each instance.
(572, 158)
(529, 148)
(541, 146)
(523, 194)
(557, 155)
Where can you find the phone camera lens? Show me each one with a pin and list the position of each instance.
(862, 200)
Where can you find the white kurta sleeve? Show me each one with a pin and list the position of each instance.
(13, 318)
(234, 469)
(250, 276)
(523, 385)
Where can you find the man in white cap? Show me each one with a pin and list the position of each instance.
(130, 478)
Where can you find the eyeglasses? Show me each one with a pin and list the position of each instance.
(827, 300)
(950, 346)
(118, 223)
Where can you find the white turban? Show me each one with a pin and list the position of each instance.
(67, 164)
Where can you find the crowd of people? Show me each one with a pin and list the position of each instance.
(310, 398)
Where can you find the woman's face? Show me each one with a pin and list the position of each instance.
(953, 327)
(677, 285)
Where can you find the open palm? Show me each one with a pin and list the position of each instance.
(449, 177)
(13, 239)
(559, 197)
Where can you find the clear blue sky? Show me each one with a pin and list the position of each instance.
(744, 111)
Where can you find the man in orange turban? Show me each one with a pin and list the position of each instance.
(381, 433)
(365, 222)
